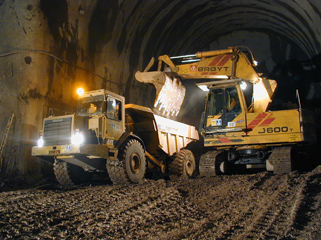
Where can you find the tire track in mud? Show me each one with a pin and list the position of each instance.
(118, 213)
(217, 198)
(264, 213)
(268, 214)
(305, 213)
(254, 206)
(231, 226)
(36, 211)
(133, 211)
(156, 215)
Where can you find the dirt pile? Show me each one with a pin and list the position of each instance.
(255, 206)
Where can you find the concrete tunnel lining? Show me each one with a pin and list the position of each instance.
(111, 40)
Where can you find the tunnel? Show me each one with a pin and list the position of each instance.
(49, 48)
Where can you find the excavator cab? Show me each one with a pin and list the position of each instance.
(225, 110)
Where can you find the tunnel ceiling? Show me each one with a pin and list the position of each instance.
(193, 25)
(113, 39)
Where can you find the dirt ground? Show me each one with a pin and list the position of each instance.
(253, 206)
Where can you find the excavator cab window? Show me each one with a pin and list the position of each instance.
(223, 100)
(232, 101)
(215, 102)
(223, 106)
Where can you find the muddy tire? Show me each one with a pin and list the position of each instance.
(131, 165)
(184, 164)
(69, 175)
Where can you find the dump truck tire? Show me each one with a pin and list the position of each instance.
(131, 166)
(184, 164)
(116, 171)
(69, 175)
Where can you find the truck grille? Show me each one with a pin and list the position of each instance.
(57, 131)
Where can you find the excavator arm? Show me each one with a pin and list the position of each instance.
(220, 65)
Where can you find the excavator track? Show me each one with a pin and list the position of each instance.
(207, 166)
(280, 159)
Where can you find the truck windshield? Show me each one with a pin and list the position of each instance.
(90, 105)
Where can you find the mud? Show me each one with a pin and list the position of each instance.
(252, 206)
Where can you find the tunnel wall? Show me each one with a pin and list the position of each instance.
(49, 49)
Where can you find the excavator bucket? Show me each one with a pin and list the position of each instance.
(170, 93)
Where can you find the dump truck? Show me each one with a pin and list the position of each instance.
(238, 129)
(110, 137)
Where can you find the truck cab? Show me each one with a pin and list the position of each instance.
(79, 144)
(106, 114)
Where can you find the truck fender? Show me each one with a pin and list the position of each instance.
(125, 137)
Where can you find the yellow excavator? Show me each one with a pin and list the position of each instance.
(238, 129)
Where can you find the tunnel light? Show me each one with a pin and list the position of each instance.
(40, 142)
(80, 91)
(77, 138)
(243, 85)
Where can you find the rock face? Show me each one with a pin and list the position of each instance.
(49, 48)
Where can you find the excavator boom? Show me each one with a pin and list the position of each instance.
(216, 66)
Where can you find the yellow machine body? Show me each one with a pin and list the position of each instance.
(275, 127)
(224, 128)
(236, 124)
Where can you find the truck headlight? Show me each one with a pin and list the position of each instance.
(77, 138)
(40, 142)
